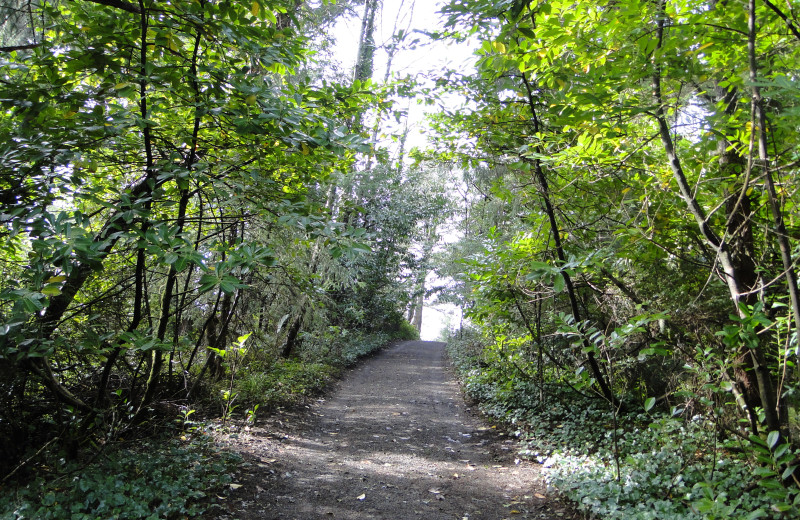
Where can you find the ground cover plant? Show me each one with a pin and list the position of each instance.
(154, 479)
(638, 464)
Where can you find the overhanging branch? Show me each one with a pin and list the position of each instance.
(119, 4)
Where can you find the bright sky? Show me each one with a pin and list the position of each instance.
(427, 58)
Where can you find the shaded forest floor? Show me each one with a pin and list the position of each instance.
(394, 439)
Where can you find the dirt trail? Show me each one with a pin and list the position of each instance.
(395, 440)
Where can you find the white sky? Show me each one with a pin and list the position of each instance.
(427, 59)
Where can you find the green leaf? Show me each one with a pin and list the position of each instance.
(540, 266)
(755, 439)
(527, 32)
(649, 403)
(558, 282)
(781, 450)
(770, 484)
(208, 282)
(51, 290)
(773, 438)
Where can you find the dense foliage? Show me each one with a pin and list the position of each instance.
(156, 479)
(633, 465)
(196, 212)
(193, 215)
(629, 235)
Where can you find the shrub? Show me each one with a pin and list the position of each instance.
(286, 382)
(406, 331)
(635, 466)
(155, 480)
(290, 381)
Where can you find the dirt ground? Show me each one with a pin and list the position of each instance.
(394, 440)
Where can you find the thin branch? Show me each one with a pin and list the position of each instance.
(784, 17)
(13, 48)
(119, 4)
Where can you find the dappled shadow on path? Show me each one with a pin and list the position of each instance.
(395, 441)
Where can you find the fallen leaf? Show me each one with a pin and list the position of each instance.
(235, 486)
(434, 491)
(539, 495)
(361, 496)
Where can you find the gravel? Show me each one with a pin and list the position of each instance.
(394, 440)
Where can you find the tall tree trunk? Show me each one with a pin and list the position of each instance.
(738, 269)
(291, 344)
(157, 355)
(779, 231)
(366, 43)
(418, 306)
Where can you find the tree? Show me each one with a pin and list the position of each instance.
(143, 144)
(638, 115)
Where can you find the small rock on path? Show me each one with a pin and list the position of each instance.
(395, 440)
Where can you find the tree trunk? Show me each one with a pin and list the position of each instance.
(733, 253)
(418, 306)
(290, 345)
(779, 231)
(544, 192)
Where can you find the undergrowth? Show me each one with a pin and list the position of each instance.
(288, 382)
(170, 478)
(155, 479)
(635, 466)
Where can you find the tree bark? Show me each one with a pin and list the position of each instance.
(732, 254)
(780, 233)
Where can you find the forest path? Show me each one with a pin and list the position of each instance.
(395, 440)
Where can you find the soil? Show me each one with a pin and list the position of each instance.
(394, 440)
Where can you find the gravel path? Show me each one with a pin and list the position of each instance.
(395, 440)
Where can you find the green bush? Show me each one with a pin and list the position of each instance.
(406, 331)
(342, 347)
(290, 381)
(635, 466)
(286, 382)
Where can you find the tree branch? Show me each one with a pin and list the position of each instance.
(782, 15)
(13, 48)
(119, 4)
